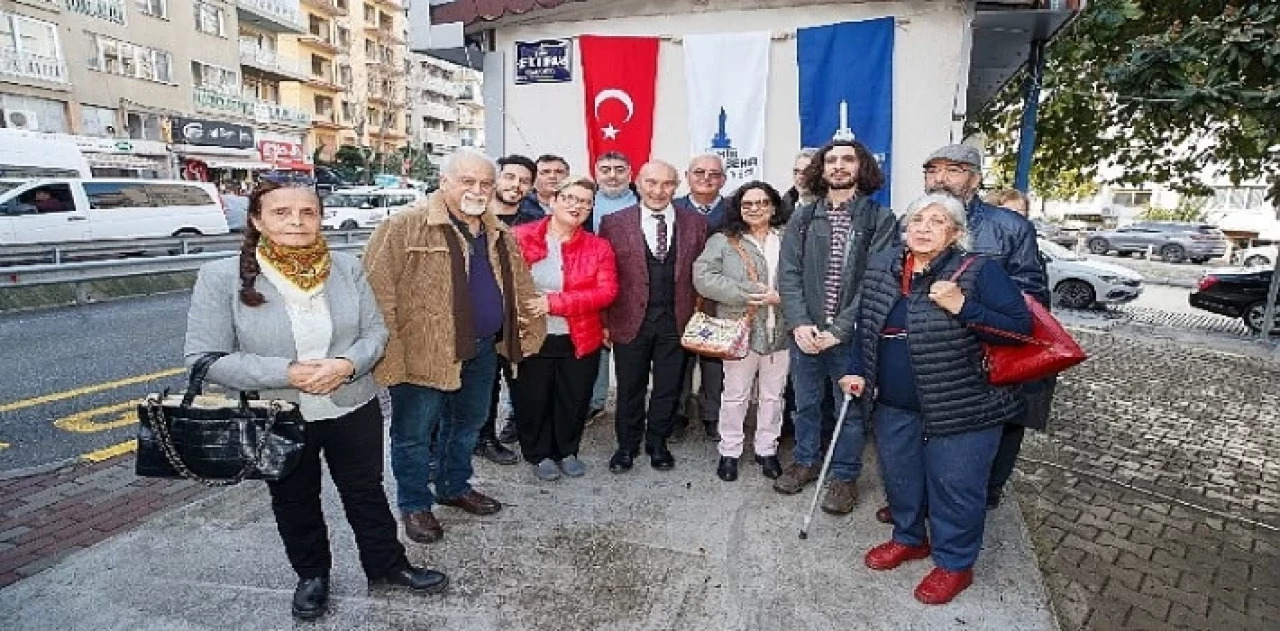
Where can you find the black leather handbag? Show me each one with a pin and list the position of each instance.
(216, 440)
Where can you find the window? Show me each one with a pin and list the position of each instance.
(370, 13)
(320, 67)
(210, 19)
(97, 121)
(341, 4)
(109, 195)
(29, 37)
(347, 112)
(216, 78)
(344, 75)
(324, 106)
(1131, 199)
(122, 58)
(156, 8)
(50, 115)
(344, 36)
(370, 49)
(319, 28)
(51, 198)
(143, 126)
(109, 10)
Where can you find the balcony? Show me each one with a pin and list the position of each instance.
(394, 4)
(217, 101)
(31, 66)
(109, 10)
(326, 7)
(53, 6)
(441, 86)
(323, 80)
(437, 111)
(441, 139)
(277, 16)
(384, 34)
(326, 120)
(266, 112)
(323, 43)
(270, 63)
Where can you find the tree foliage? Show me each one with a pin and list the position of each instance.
(1156, 89)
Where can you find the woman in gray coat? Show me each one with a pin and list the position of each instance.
(738, 269)
(298, 322)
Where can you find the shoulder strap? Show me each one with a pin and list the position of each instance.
(964, 265)
(746, 259)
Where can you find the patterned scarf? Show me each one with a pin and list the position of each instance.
(307, 267)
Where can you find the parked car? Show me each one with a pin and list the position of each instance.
(1173, 241)
(236, 208)
(1236, 293)
(1079, 283)
(54, 210)
(366, 207)
(1260, 256)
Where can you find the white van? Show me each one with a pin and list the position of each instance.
(366, 206)
(27, 154)
(60, 210)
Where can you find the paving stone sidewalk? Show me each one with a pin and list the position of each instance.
(46, 516)
(1154, 500)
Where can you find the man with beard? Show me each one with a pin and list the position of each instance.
(1010, 239)
(824, 254)
(613, 176)
(655, 245)
(453, 288)
(515, 180)
(550, 170)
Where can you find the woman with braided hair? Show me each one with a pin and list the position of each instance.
(298, 322)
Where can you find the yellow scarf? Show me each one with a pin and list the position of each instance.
(307, 267)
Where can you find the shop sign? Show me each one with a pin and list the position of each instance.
(544, 61)
(284, 155)
(207, 133)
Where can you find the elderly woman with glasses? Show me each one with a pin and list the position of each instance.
(576, 278)
(919, 370)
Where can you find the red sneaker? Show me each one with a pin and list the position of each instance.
(940, 586)
(889, 555)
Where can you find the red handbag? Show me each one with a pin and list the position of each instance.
(1049, 349)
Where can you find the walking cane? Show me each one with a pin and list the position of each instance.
(826, 464)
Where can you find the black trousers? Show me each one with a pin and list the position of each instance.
(656, 351)
(554, 391)
(1039, 400)
(489, 431)
(352, 445)
(710, 390)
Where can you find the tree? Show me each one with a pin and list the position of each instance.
(1158, 89)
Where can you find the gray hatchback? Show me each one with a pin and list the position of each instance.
(1174, 241)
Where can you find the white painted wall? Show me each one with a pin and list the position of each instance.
(929, 57)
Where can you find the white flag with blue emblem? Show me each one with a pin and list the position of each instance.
(727, 77)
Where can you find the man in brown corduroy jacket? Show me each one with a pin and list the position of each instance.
(452, 286)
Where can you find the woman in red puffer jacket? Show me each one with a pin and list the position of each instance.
(576, 277)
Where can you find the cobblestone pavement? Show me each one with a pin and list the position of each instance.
(46, 516)
(1154, 500)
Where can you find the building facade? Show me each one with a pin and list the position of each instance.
(435, 90)
(207, 89)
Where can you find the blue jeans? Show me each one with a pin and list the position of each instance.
(809, 375)
(947, 475)
(600, 391)
(416, 411)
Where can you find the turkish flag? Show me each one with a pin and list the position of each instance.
(619, 75)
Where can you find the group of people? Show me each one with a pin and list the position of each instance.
(517, 271)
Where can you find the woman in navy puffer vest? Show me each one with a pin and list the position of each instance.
(937, 419)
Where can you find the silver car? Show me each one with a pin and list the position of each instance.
(1173, 241)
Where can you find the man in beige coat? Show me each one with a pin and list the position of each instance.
(452, 287)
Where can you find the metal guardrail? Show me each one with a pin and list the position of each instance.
(59, 253)
(87, 271)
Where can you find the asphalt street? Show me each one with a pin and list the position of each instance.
(80, 369)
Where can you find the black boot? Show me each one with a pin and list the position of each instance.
(728, 469)
(769, 466)
(493, 451)
(311, 598)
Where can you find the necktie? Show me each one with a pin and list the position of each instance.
(706, 210)
(662, 236)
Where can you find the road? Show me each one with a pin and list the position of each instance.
(70, 377)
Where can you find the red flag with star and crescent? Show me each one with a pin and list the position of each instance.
(619, 75)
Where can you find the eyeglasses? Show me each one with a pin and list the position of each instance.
(704, 173)
(763, 204)
(951, 169)
(574, 200)
(933, 223)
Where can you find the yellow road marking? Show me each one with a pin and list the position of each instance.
(112, 451)
(4, 445)
(79, 392)
(84, 423)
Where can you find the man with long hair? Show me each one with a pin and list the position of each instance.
(824, 255)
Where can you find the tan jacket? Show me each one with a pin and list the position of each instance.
(411, 269)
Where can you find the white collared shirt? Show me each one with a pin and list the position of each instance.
(649, 224)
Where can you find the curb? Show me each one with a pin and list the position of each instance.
(40, 469)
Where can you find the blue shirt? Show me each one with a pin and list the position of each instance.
(606, 206)
(482, 285)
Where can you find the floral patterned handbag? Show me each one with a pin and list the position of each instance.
(721, 338)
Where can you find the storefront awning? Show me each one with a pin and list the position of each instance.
(125, 161)
(224, 162)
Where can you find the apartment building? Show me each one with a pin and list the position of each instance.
(471, 109)
(435, 88)
(372, 71)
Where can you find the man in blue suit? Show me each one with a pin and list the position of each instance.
(706, 177)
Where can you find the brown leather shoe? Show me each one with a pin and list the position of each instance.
(841, 496)
(473, 502)
(794, 479)
(422, 527)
